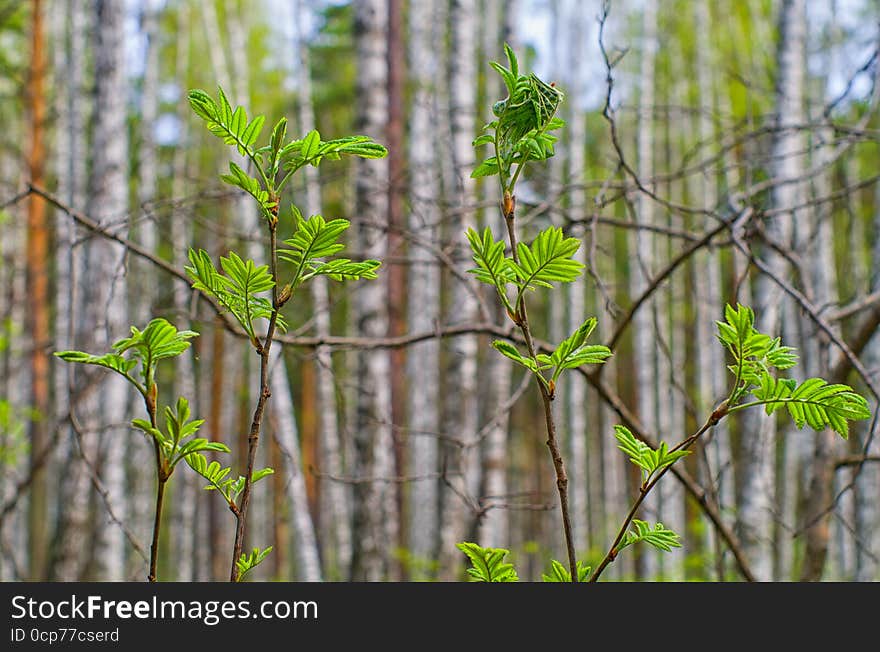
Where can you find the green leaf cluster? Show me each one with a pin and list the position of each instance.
(279, 156)
(571, 353)
(144, 348)
(547, 260)
(648, 459)
(217, 476)
(236, 288)
(178, 440)
(316, 239)
(814, 402)
(487, 564)
(659, 536)
(559, 573)
(247, 562)
(520, 132)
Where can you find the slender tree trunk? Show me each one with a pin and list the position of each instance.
(867, 508)
(645, 348)
(189, 523)
(756, 501)
(460, 455)
(305, 553)
(815, 237)
(493, 527)
(395, 273)
(142, 280)
(335, 507)
(38, 302)
(708, 293)
(373, 530)
(104, 292)
(423, 306)
(71, 531)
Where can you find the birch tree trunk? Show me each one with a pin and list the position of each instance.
(104, 313)
(423, 278)
(645, 350)
(373, 438)
(708, 292)
(462, 410)
(335, 501)
(144, 277)
(305, 553)
(756, 501)
(189, 523)
(493, 526)
(68, 560)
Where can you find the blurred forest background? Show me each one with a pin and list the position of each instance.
(714, 152)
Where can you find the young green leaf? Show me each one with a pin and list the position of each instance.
(815, 402)
(573, 352)
(660, 537)
(492, 265)
(509, 350)
(230, 125)
(248, 562)
(487, 564)
(559, 573)
(547, 260)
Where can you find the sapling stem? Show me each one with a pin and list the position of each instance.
(256, 424)
(522, 322)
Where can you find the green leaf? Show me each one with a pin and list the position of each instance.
(315, 239)
(815, 402)
(243, 180)
(114, 361)
(559, 573)
(646, 458)
(238, 291)
(485, 139)
(487, 168)
(488, 564)
(492, 265)
(547, 260)
(509, 350)
(573, 352)
(261, 473)
(310, 145)
(230, 125)
(659, 537)
(247, 562)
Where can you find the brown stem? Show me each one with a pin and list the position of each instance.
(162, 476)
(522, 319)
(257, 422)
(646, 487)
(154, 546)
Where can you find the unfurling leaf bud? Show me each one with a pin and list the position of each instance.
(284, 295)
(152, 396)
(509, 205)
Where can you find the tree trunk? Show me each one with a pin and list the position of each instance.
(423, 306)
(305, 554)
(189, 524)
(373, 530)
(38, 303)
(335, 507)
(756, 501)
(645, 348)
(104, 313)
(71, 530)
(493, 526)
